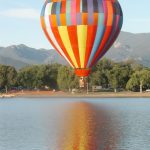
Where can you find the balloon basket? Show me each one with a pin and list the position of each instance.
(83, 84)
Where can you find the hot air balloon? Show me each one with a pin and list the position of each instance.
(82, 31)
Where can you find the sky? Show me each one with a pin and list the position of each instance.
(20, 21)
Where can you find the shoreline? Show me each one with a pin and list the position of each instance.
(60, 94)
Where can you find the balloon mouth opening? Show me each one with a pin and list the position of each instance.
(82, 72)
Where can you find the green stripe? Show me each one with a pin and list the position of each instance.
(68, 12)
(101, 19)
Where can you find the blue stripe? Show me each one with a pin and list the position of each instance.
(98, 38)
(43, 10)
(44, 7)
(58, 12)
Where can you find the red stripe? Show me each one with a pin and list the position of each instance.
(57, 36)
(105, 12)
(78, 6)
(63, 7)
(72, 31)
(82, 72)
(91, 33)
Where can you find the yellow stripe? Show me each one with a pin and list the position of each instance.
(65, 38)
(82, 38)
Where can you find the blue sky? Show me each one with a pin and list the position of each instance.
(19, 21)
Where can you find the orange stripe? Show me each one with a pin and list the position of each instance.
(110, 12)
(63, 19)
(57, 36)
(84, 18)
(90, 40)
(53, 20)
(72, 31)
(95, 18)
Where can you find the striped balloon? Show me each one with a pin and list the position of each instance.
(82, 31)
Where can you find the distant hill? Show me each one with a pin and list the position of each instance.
(21, 55)
(127, 46)
(8, 61)
(131, 46)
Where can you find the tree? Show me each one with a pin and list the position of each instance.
(47, 76)
(27, 77)
(139, 80)
(8, 77)
(99, 75)
(119, 76)
(66, 78)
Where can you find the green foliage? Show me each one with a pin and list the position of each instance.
(66, 78)
(47, 76)
(8, 77)
(139, 78)
(38, 76)
(122, 75)
(27, 77)
(99, 75)
(119, 75)
(109, 74)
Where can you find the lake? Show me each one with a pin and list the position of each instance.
(75, 123)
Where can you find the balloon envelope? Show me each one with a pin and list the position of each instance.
(82, 31)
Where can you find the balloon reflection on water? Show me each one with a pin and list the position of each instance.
(87, 127)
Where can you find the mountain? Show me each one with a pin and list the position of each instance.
(8, 61)
(127, 46)
(22, 55)
(131, 46)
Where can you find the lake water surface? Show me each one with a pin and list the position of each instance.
(63, 124)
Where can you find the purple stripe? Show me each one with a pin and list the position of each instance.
(79, 18)
(90, 11)
(100, 6)
(117, 21)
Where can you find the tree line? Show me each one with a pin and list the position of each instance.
(110, 75)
